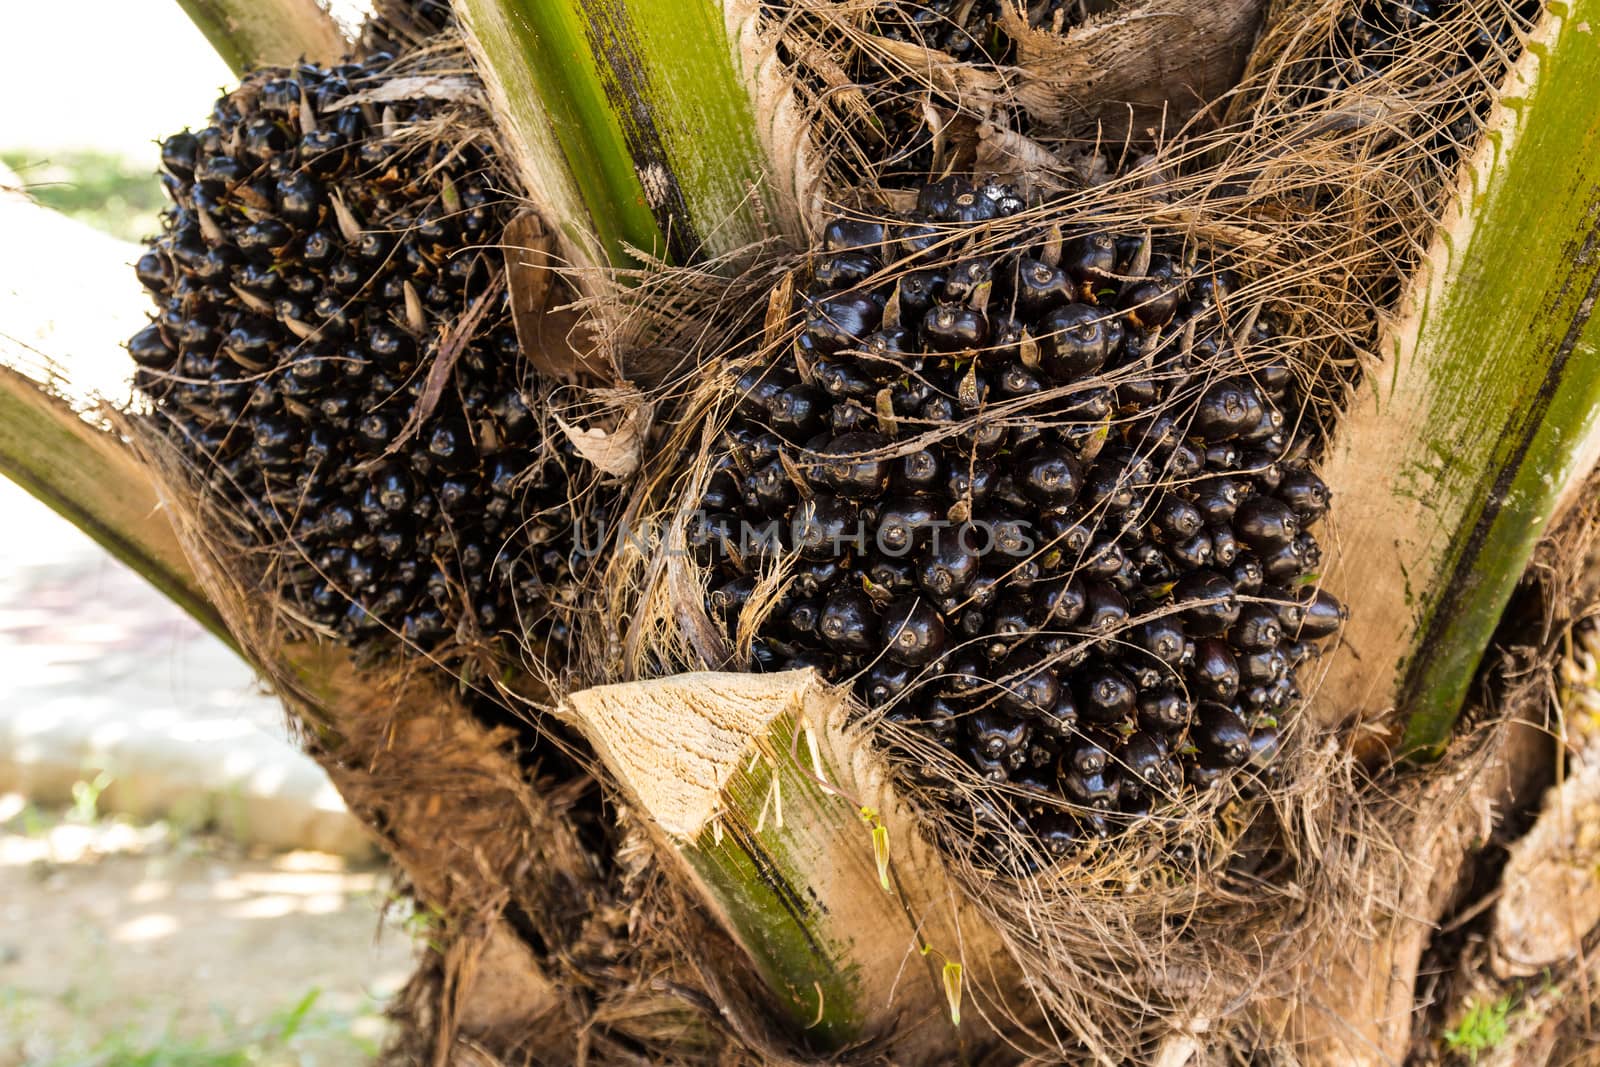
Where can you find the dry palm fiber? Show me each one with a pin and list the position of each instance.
(894, 93)
(1317, 181)
(397, 26)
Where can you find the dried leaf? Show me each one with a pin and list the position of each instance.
(545, 335)
(1050, 255)
(349, 228)
(617, 451)
(208, 226)
(795, 475)
(891, 309)
(302, 330)
(417, 87)
(308, 114)
(250, 300)
(416, 318)
(779, 302)
(884, 406)
(450, 348)
(967, 389)
(1029, 349)
(880, 855)
(951, 977)
(999, 149)
(973, 85)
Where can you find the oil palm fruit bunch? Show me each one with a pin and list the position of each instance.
(311, 272)
(1042, 500)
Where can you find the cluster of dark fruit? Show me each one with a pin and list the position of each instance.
(1374, 35)
(897, 133)
(1027, 512)
(310, 273)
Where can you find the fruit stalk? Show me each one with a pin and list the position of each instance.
(255, 33)
(1457, 455)
(631, 115)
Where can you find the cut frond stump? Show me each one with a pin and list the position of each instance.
(1456, 454)
(86, 475)
(788, 828)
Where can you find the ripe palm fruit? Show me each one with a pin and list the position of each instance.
(310, 272)
(1025, 500)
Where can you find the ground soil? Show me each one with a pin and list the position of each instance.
(123, 944)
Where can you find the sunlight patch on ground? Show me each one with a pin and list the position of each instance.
(146, 928)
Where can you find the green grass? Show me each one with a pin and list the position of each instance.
(107, 191)
(86, 799)
(1483, 1026)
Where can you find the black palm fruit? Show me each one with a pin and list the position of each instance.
(1109, 616)
(296, 275)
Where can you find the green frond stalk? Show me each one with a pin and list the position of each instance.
(257, 33)
(1456, 454)
(631, 121)
(89, 477)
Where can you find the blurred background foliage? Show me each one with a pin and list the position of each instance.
(106, 190)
